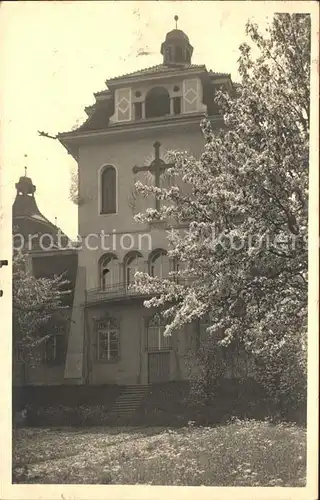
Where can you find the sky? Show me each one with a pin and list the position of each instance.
(55, 55)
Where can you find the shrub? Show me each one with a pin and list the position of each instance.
(65, 416)
(206, 369)
(281, 368)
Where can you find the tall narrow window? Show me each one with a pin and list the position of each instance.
(204, 323)
(109, 272)
(108, 190)
(108, 333)
(168, 54)
(179, 268)
(138, 110)
(177, 105)
(133, 263)
(178, 54)
(54, 350)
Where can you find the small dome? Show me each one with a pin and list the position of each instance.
(176, 49)
(25, 185)
(177, 35)
(25, 180)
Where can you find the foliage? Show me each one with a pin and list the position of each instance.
(37, 305)
(82, 415)
(244, 253)
(206, 368)
(241, 453)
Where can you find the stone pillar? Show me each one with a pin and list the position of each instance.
(75, 359)
(143, 110)
(28, 263)
(171, 106)
(122, 276)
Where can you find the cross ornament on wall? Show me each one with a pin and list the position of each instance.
(157, 167)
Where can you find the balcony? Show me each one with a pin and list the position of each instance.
(117, 292)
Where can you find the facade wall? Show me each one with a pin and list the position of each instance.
(132, 366)
(45, 375)
(123, 154)
(42, 373)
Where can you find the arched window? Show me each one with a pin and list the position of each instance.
(159, 264)
(109, 271)
(157, 102)
(133, 264)
(179, 268)
(108, 190)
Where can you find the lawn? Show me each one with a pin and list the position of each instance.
(240, 453)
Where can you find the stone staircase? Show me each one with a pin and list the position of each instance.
(128, 402)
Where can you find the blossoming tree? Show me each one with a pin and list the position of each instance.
(245, 248)
(37, 305)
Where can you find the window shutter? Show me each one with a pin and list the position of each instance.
(191, 95)
(123, 104)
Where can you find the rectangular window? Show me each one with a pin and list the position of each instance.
(169, 54)
(108, 345)
(156, 341)
(177, 105)
(138, 110)
(53, 350)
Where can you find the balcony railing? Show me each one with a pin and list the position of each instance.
(118, 291)
(114, 291)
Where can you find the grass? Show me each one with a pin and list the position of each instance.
(240, 453)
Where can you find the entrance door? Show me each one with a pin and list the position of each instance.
(158, 367)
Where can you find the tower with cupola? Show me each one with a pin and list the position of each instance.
(46, 254)
(134, 121)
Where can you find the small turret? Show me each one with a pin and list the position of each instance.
(176, 49)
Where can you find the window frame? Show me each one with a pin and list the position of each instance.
(55, 361)
(100, 186)
(107, 328)
(138, 104)
(156, 255)
(129, 259)
(165, 93)
(177, 99)
(101, 267)
(164, 344)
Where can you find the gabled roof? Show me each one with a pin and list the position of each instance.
(159, 68)
(214, 73)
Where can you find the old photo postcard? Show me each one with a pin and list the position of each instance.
(159, 273)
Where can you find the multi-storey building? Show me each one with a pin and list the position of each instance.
(114, 338)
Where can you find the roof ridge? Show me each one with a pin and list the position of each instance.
(156, 66)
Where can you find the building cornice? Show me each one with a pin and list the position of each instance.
(136, 127)
(53, 251)
(165, 74)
